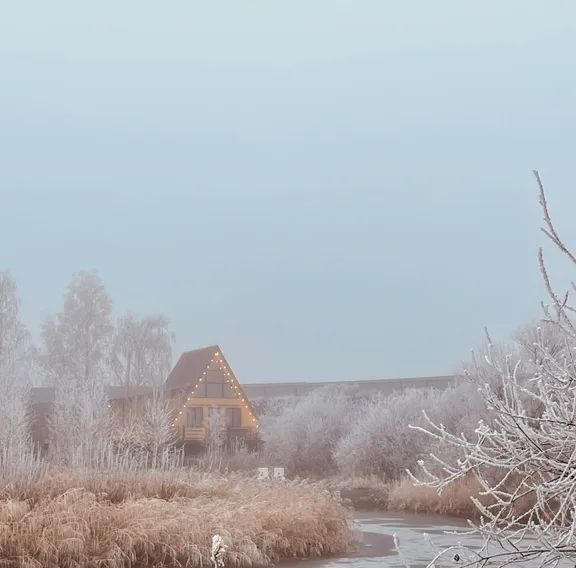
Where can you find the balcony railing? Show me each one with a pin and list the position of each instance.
(200, 434)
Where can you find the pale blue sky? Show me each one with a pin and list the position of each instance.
(327, 189)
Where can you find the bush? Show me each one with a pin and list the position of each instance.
(303, 437)
(380, 442)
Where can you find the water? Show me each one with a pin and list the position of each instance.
(377, 545)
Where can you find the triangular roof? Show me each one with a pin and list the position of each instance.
(190, 367)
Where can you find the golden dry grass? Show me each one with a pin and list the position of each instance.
(165, 519)
(454, 500)
(360, 492)
(374, 493)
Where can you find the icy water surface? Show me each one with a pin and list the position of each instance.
(377, 544)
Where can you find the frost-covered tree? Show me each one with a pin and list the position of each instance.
(525, 458)
(80, 423)
(273, 406)
(76, 359)
(16, 358)
(143, 427)
(77, 341)
(380, 441)
(303, 437)
(141, 351)
(157, 429)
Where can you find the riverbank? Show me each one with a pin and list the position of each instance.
(372, 493)
(166, 518)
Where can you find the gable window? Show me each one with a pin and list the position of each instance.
(195, 417)
(214, 390)
(233, 417)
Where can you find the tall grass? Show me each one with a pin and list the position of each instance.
(454, 500)
(360, 492)
(154, 518)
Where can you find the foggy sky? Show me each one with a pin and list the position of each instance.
(326, 189)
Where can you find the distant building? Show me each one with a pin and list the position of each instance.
(362, 387)
(208, 403)
(205, 398)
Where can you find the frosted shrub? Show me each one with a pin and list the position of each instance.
(379, 442)
(273, 406)
(303, 437)
(459, 408)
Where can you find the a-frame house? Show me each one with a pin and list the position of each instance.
(208, 402)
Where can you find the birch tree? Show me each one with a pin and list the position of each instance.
(142, 351)
(76, 359)
(524, 459)
(16, 355)
(77, 341)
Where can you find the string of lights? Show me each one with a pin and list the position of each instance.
(230, 380)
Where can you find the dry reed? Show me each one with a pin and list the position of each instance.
(454, 500)
(72, 518)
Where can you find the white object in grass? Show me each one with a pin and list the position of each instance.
(263, 473)
(218, 550)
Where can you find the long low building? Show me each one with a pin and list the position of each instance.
(368, 386)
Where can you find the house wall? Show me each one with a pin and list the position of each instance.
(181, 402)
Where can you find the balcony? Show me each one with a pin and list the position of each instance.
(241, 433)
(229, 434)
(187, 433)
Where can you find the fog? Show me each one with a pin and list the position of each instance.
(326, 190)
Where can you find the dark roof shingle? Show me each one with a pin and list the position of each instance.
(190, 367)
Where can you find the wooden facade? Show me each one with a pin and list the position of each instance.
(208, 402)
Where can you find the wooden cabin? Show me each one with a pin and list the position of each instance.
(208, 402)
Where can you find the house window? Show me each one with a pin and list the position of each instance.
(234, 417)
(214, 390)
(195, 417)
